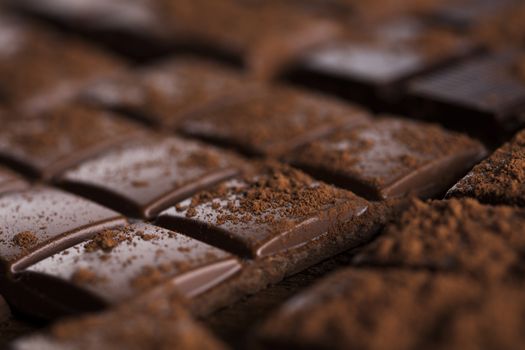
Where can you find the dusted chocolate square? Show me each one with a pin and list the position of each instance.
(274, 209)
(273, 122)
(41, 221)
(46, 144)
(169, 92)
(389, 158)
(145, 176)
(118, 264)
(500, 179)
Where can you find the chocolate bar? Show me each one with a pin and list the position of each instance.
(46, 144)
(145, 176)
(498, 179)
(374, 62)
(252, 216)
(31, 60)
(481, 95)
(115, 265)
(460, 236)
(396, 309)
(165, 94)
(273, 122)
(5, 312)
(389, 158)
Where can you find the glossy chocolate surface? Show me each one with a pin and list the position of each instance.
(273, 122)
(390, 158)
(268, 212)
(49, 143)
(40, 221)
(169, 92)
(145, 176)
(120, 263)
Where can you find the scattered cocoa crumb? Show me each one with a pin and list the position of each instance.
(25, 239)
(105, 240)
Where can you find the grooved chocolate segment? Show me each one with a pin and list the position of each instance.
(143, 177)
(118, 264)
(10, 182)
(39, 69)
(40, 221)
(389, 157)
(167, 93)
(391, 309)
(272, 210)
(457, 235)
(48, 143)
(476, 90)
(500, 179)
(373, 62)
(133, 326)
(273, 122)
(265, 35)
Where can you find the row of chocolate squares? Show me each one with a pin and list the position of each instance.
(63, 254)
(481, 91)
(446, 274)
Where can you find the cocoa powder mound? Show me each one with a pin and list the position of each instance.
(500, 179)
(106, 240)
(461, 236)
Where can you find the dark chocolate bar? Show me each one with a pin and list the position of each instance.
(460, 236)
(500, 179)
(46, 144)
(5, 312)
(372, 64)
(116, 265)
(273, 122)
(143, 177)
(167, 93)
(254, 216)
(389, 158)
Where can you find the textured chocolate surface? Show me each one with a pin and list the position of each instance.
(46, 144)
(274, 121)
(500, 179)
(171, 91)
(460, 236)
(373, 309)
(254, 217)
(145, 176)
(118, 264)
(388, 158)
(41, 221)
(158, 325)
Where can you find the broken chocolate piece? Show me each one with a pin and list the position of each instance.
(388, 158)
(143, 177)
(46, 144)
(460, 236)
(118, 264)
(500, 179)
(167, 93)
(274, 121)
(273, 210)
